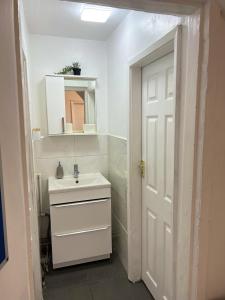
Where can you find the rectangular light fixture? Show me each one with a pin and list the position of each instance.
(95, 14)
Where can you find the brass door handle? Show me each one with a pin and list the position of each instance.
(142, 168)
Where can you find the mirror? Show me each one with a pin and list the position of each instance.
(79, 104)
(70, 104)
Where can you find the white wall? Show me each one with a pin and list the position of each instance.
(133, 35)
(137, 32)
(14, 276)
(50, 54)
(25, 41)
(24, 29)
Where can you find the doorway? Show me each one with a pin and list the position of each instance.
(168, 46)
(154, 140)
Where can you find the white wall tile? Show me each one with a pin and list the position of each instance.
(91, 164)
(120, 242)
(119, 208)
(52, 147)
(47, 166)
(91, 145)
(87, 164)
(117, 153)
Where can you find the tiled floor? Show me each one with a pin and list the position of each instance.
(103, 280)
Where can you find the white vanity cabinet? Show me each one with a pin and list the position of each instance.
(80, 224)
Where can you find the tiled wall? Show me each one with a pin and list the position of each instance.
(117, 154)
(89, 152)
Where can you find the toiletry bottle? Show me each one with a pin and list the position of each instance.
(59, 171)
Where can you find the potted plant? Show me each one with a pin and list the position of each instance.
(66, 70)
(76, 68)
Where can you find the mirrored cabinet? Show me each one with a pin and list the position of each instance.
(71, 107)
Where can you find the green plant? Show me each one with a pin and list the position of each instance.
(76, 65)
(66, 70)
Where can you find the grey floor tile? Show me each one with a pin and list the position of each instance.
(80, 293)
(106, 270)
(66, 279)
(102, 280)
(69, 293)
(120, 289)
(140, 291)
(56, 294)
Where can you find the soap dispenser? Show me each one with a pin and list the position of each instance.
(59, 171)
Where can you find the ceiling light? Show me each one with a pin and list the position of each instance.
(95, 14)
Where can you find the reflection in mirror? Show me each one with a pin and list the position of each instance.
(79, 104)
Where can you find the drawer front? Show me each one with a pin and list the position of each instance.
(78, 245)
(80, 215)
(79, 195)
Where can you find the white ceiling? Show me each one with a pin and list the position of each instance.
(62, 18)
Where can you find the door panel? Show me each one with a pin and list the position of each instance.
(151, 250)
(151, 136)
(168, 159)
(167, 280)
(158, 115)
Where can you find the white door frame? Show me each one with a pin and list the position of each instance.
(184, 155)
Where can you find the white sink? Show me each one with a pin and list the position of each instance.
(85, 181)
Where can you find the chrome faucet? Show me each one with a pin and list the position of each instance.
(76, 171)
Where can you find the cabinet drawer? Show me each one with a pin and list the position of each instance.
(80, 215)
(79, 195)
(78, 245)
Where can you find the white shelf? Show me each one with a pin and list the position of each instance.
(72, 134)
(71, 77)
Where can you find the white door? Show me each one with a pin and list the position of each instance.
(158, 137)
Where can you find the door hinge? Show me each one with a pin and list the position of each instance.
(142, 168)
